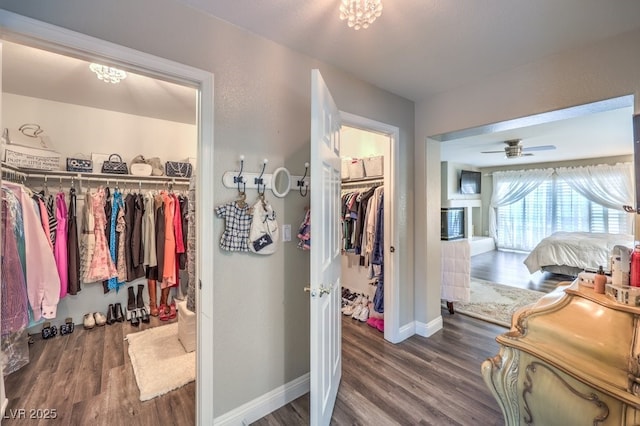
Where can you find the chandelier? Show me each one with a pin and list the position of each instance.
(108, 74)
(360, 13)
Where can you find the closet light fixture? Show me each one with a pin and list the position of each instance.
(108, 74)
(360, 13)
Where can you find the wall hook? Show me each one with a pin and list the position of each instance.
(301, 183)
(239, 179)
(259, 180)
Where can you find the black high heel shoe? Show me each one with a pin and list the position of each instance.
(144, 315)
(134, 319)
(111, 314)
(119, 315)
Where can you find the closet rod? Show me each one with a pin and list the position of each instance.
(363, 182)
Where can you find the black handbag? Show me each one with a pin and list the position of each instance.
(80, 165)
(114, 167)
(178, 169)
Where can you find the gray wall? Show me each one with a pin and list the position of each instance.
(262, 96)
(604, 70)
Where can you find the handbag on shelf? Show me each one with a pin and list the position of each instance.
(79, 165)
(178, 169)
(115, 166)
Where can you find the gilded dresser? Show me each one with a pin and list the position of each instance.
(572, 358)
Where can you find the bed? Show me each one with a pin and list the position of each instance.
(569, 253)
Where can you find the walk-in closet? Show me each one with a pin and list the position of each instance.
(98, 240)
(362, 225)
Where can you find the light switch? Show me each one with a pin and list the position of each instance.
(286, 232)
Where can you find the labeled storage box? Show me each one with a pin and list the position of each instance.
(31, 158)
(374, 166)
(356, 168)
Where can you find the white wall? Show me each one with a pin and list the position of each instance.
(262, 97)
(607, 69)
(74, 130)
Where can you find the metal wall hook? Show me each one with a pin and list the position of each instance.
(301, 183)
(239, 179)
(259, 181)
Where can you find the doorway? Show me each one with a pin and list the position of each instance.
(362, 137)
(51, 38)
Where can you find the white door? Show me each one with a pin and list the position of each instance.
(325, 291)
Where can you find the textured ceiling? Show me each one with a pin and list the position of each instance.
(421, 47)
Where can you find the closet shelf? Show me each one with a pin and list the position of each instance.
(14, 172)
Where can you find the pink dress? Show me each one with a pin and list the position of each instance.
(60, 248)
(102, 267)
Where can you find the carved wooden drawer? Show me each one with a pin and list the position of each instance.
(570, 359)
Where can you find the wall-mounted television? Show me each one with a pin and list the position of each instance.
(470, 182)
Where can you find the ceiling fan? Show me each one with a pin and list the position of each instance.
(514, 149)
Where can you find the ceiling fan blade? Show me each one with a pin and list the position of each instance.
(539, 148)
(493, 152)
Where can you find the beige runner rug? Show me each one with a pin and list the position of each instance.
(495, 303)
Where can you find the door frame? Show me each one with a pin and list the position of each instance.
(20, 29)
(391, 178)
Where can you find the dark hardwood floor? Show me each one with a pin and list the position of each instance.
(420, 381)
(505, 267)
(87, 377)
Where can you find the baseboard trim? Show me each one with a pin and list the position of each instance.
(430, 328)
(265, 404)
(406, 331)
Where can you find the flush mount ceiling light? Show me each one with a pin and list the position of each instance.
(360, 13)
(108, 74)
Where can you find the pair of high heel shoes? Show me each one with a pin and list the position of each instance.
(135, 319)
(136, 308)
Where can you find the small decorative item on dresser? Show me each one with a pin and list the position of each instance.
(80, 165)
(115, 166)
(178, 169)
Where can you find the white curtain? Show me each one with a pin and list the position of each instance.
(604, 184)
(511, 186)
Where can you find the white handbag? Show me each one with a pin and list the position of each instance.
(263, 235)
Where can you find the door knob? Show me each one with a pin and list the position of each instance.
(392, 249)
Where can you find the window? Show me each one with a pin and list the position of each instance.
(554, 206)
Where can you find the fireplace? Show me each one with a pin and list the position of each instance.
(451, 223)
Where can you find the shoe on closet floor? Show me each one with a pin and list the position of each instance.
(119, 315)
(67, 327)
(373, 322)
(99, 318)
(111, 314)
(89, 321)
(364, 314)
(134, 319)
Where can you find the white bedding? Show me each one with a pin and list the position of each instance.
(576, 249)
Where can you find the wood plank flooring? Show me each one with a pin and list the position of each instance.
(505, 267)
(420, 381)
(87, 377)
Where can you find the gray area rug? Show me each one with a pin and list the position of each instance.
(496, 303)
(159, 361)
